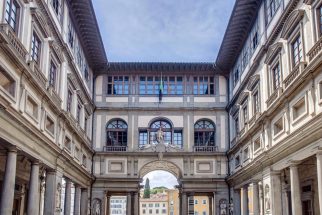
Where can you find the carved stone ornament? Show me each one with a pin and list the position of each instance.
(160, 165)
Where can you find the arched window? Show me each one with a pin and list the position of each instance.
(170, 135)
(204, 136)
(116, 135)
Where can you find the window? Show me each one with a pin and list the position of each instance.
(7, 83)
(78, 112)
(245, 58)
(203, 85)
(157, 205)
(236, 76)
(71, 35)
(236, 124)
(69, 100)
(204, 213)
(172, 85)
(237, 161)
(57, 6)
(276, 76)
(245, 112)
(32, 107)
(12, 14)
(35, 48)
(204, 201)
(52, 75)
(143, 205)
(77, 153)
(204, 135)
(254, 37)
(164, 211)
(246, 154)
(118, 85)
(296, 47)
(157, 211)
(86, 73)
(166, 129)
(177, 138)
(196, 213)
(278, 126)
(196, 201)
(150, 211)
(319, 14)
(143, 211)
(299, 108)
(86, 123)
(257, 144)
(320, 89)
(84, 160)
(68, 144)
(271, 8)
(256, 104)
(116, 132)
(50, 125)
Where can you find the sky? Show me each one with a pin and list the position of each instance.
(162, 30)
(160, 178)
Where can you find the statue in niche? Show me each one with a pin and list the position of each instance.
(267, 198)
(58, 196)
(97, 207)
(223, 207)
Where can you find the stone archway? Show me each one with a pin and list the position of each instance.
(160, 165)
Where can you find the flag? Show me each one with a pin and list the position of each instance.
(160, 89)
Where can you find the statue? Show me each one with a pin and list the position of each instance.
(159, 135)
(223, 207)
(58, 196)
(97, 207)
(267, 199)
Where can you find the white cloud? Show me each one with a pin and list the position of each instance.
(160, 178)
(162, 30)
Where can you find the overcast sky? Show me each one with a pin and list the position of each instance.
(160, 178)
(162, 30)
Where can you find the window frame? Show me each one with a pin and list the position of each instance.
(35, 35)
(17, 18)
(12, 95)
(296, 59)
(116, 131)
(205, 133)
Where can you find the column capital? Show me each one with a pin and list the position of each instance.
(13, 149)
(319, 153)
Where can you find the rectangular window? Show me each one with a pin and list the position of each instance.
(57, 6)
(236, 77)
(237, 161)
(143, 138)
(164, 211)
(177, 139)
(52, 74)
(118, 85)
(319, 16)
(299, 108)
(203, 85)
(50, 125)
(257, 144)
(246, 154)
(245, 113)
(12, 14)
(35, 48)
(276, 76)
(236, 125)
(68, 145)
(278, 126)
(271, 9)
(256, 102)
(69, 100)
(86, 123)
(297, 54)
(71, 35)
(32, 107)
(7, 83)
(78, 112)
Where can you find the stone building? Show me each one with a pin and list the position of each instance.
(245, 130)
(272, 51)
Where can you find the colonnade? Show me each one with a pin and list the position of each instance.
(50, 196)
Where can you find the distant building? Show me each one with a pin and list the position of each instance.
(201, 205)
(118, 205)
(173, 201)
(157, 204)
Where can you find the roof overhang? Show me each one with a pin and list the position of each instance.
(240, 23)
(83, 16)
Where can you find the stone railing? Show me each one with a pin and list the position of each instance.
(273, 96)
(315, 50)
(115, 148)
(14, 41)
(37, 74)
(205, 148)
(295, 73)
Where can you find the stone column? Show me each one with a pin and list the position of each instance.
(84, 202)
(237, 202)
(33, 193)
(68, 197)
(210, 204)
(261, 199)
(295, 191)
(136, 203)
(184, 203)
(50, 193)
(214, 202)
(8, 186)
(319, 176)
(276, 193)
(245, 200)
(256, 206)
(108, 204)
(129, 204)
(77, 200)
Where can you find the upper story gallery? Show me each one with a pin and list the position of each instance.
(76, 129)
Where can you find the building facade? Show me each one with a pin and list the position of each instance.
(274, 106)
(155, 205)
(77, 131)
(118, 205)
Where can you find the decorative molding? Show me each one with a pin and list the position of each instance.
(272, 51)
(160, 165)
(292, 20)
